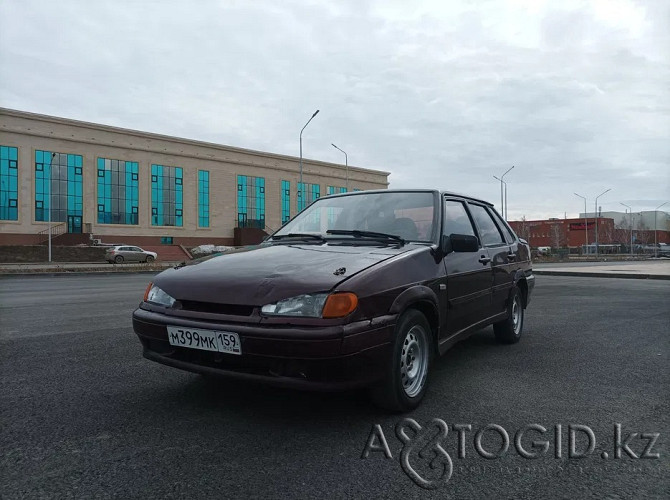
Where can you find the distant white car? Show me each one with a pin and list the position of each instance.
(125, 253)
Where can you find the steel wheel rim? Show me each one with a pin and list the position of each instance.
(414, 361)
(517, 312)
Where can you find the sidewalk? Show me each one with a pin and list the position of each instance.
(647, 269)
(82, 267)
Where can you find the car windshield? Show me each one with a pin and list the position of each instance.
(409, 216)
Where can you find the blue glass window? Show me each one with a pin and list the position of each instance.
(9, 187)
(58, 184)
(203, 198)
(167, 196)
(118, 191)
(336, 190)
(250, 201)
(307, 193)
(285, 201)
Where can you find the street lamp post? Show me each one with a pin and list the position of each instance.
(315, 113)
(655, 230)
(346, 162)
(503, 200)
(586, 225)
(53, 155)
(596, 216)
(502, 179)
(502, 203)
(631, 226)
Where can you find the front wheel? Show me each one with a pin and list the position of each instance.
(509, 330)
(406, 373)
(150, 259)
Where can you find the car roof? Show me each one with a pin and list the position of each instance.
(443, 193)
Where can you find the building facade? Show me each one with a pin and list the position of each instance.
(135, 187)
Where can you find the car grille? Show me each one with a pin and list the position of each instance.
(214, 308)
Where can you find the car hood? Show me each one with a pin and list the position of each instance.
(267, 273)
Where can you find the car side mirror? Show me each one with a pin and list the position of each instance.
(463, 243)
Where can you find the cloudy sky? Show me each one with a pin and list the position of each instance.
(440, 93)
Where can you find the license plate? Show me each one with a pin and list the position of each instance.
(207, 340)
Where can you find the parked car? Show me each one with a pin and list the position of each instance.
(359, 289)
(125, 253)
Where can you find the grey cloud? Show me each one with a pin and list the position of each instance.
(445, 95)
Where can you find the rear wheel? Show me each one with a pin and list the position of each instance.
(406, 375)
(118, 259)
(509, 330)
(150, 258)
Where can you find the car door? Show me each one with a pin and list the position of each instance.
(469, 274)
(515, 255)
(125, 253)
(493, 239)
(138, 254)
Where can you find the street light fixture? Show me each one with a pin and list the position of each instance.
(346, 162)
(596, 216)
(315, 113)
(586, 225)
(655, 231)
(631, 226)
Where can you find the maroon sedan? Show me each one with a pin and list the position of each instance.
(359, 289)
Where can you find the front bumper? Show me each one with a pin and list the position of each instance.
(325, 358)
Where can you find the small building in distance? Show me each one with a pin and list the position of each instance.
(573, 233)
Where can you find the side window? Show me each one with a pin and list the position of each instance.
(509, 235)
(489, 233)
(456, 220)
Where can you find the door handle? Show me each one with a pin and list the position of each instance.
(511, 256)
(484, 259)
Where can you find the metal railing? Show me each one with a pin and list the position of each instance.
(56, 230)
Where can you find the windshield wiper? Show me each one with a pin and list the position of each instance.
(366, 234)
(305, 236)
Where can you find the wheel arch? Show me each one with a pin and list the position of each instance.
(522, 284)
(422, 299)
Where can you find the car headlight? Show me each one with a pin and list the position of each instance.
(314, 305)
(155, 295)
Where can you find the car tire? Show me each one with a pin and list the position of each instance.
(406, 373)
(509, 330)
(118, 259)
(150, 259)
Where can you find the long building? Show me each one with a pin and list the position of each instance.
(575, 233)
(119, 185)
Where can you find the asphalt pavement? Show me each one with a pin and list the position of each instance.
(83, 415)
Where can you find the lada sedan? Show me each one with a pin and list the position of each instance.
(359, 289)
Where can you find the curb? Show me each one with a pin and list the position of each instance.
(636, 276)
(60, 271)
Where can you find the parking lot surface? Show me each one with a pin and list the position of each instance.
(84, 415)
